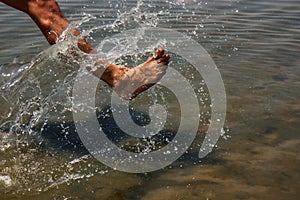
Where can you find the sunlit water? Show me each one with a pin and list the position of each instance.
(255, 45)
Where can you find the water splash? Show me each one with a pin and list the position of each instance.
(39, 93)
(30, 103)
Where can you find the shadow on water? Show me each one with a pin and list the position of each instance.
(63, 136)
(58, 136)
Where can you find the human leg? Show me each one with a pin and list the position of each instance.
(49, 18)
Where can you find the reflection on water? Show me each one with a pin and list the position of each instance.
(254, 43)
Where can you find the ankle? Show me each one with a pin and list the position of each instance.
(47, 15)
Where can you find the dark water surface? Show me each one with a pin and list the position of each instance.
(256, 46)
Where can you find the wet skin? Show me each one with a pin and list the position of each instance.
(127, 82)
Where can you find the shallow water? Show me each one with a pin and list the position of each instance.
(255, 45)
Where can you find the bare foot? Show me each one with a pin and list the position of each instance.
(129, 82)
(138, 79)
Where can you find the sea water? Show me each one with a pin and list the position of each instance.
(255, 45)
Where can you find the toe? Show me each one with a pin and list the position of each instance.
(164, 59)
(159, 53)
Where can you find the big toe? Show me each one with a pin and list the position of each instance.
(159, 53)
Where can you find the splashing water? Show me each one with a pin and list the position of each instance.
(36, 100)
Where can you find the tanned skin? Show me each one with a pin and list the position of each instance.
(49, 18)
